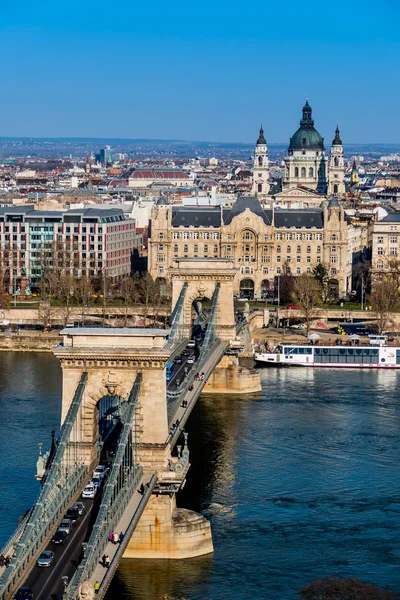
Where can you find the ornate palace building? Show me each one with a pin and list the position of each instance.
(263, 242)
(263, 239)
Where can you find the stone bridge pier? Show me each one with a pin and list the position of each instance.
(113, 358)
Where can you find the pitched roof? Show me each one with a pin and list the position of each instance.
(250, 202)
(305, 217)
(393, 217)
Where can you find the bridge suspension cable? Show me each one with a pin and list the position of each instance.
(177, 317)
(124, 477)
(61, 482)
(210, 340)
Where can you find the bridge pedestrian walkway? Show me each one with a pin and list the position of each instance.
(126, 526)
(189, 398)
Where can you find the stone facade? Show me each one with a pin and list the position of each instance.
(385, 243)
(262, 242)
(112, 359)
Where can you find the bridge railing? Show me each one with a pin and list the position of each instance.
(62, 482)
(177, 316)
(210, 341)
(124, 478)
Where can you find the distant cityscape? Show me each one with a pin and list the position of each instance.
(114, 207)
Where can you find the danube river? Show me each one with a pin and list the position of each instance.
(300, 481)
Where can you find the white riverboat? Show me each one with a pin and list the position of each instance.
(342, 356)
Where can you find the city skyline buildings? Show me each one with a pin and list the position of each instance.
(90, 72)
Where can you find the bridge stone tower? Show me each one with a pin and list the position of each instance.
(202, 275)
(112, 358)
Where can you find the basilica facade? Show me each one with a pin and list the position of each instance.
(310, 174)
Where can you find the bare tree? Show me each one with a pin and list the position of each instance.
(307, 296)
(321, 275)
(336, 588)
(84, 295)
(128, 292)
(65, 292)
(384, 300)
(105, 289)
(148, 292)
(4, 296)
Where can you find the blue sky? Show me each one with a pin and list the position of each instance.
(200, 71)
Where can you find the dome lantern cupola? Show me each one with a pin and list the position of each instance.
(307, 120)
(261, 137)
(337, 141)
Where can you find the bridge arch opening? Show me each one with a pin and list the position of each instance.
(110, 409)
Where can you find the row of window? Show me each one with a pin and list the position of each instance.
(392, 251)
(248, 235)
(304, 172)
(195, 235)
(393, 239)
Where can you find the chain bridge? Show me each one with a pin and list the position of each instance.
(117, 406)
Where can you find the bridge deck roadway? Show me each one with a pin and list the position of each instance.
(182, 413)
(47, 583)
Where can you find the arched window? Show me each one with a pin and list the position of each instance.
(336, 161)
(296, 171)
(335, 189)
(176, 248)
(311, 172)
(303, 171)
(260, 161)
(259, 187)
(185, 248)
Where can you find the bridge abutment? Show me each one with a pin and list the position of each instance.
(168, 532)
(229, 377)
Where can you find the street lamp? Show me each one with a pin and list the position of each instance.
(64, 579)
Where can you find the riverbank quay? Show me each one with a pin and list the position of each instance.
(29, 341)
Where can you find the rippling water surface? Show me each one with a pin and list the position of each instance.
(299, 482)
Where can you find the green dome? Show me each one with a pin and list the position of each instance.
(306, 137)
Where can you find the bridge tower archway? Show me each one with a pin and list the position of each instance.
(201, 277)
(112, 359)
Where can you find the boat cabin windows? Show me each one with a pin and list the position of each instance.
(346, 355)
(297, 350)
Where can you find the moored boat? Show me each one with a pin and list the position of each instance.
(342, 356)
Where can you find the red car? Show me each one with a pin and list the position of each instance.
(293, 307)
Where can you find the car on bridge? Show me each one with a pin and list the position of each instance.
(186, 352)
(191, 360)
(89, 491)
(178, 360)
(45, 559)
(58, 537)
(24, 593)
(80, 507)
(100, 471)
(97, 481)
(66, 526)
(72, 514)
(191, 344)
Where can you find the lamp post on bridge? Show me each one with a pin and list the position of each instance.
(65, 585)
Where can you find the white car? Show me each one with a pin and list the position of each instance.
(191, 360)
(100, 471)
(191, 344)
(89, 491)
